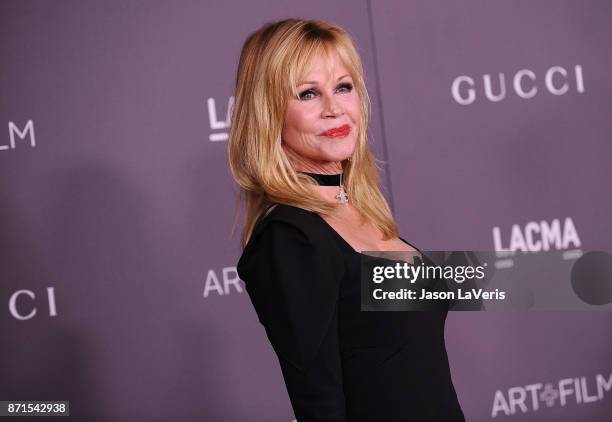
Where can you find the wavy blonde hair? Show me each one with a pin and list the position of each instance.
(272, 60)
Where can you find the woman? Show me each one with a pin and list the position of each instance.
(298, 150)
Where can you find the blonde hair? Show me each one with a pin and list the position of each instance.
(272, 60)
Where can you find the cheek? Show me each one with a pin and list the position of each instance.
(300, 119)
(354, 108)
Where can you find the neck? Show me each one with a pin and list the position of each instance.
(303, 164)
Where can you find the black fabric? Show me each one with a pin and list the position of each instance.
(326, 179)
(338, 363)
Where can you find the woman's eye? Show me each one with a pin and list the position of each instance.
(347, 86)
(311, 93)
(305, 94)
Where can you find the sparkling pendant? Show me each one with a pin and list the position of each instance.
(342, 196)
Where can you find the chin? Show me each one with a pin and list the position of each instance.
(338, 158)
(342, 150)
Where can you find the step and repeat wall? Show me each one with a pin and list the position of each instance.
(119, 291)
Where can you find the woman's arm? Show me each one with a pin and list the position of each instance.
(293, 284)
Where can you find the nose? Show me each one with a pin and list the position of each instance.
(331, 107)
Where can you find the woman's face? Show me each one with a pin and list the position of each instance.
(321, 125)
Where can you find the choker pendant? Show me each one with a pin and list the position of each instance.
(331, 180)
(342, 196)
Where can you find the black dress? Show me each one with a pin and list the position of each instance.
(339, 363)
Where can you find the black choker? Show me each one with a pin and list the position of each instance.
(330, 180)
(325, 179)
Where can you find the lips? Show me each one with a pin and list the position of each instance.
(337, 132)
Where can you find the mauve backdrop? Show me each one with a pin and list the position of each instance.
(118, 285)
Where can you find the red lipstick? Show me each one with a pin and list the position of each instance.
(337, 132)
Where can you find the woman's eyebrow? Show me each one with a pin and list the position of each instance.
(315, 82)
